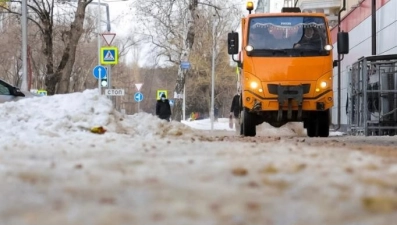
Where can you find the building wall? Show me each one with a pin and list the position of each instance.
(289, 3)
(329, 7)
(276, 5)
(350, 4)
(269, 6)
(358, 23)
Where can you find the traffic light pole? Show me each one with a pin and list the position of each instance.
(99, 82)
(109, 76)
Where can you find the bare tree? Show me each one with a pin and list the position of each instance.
(71, 39)
(184, 57)
(42, 14)
(173, 25)
(10, 60)
(173, 33)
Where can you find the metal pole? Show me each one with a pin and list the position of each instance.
(373, 23)
(109, 75)
(365, 100)
(99, 44)
(24, 85)
(109, 85)
(340, 69)
(184, 103)
(213, 77)
(107, 17)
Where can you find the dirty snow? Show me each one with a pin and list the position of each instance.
(53, 170)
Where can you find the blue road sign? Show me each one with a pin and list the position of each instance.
(185, 65)
(99, 71)
(171, 102)
(138, 96)
(109, 55)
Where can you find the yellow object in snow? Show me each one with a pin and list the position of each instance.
(98, 130)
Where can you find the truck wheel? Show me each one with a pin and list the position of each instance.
(248, 126)
(319, 125)
(311, 129)
(323, 123)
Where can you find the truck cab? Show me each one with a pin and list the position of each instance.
(286, 69)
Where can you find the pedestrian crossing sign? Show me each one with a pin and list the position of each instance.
(161, 92)
(109, 55)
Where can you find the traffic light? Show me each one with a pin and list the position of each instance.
(104, 82)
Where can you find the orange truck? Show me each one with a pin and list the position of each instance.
(286, 69)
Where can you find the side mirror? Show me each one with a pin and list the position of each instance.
(343, 42)
(16, 92)
(335, 63)
(232, 43)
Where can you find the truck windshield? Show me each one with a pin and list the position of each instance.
(295, 34)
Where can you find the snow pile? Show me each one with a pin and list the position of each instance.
(64, 114)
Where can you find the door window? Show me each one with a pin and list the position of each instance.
(4, 90)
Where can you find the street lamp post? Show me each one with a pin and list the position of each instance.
(24, 20)
(213, 76)
(184, 103)
(213, 66)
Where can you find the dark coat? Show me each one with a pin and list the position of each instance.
(163, 109)
(235, 109)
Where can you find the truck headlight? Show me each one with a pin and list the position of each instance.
(249, 48)
(253, 84)
(328, 47)
(323, 84)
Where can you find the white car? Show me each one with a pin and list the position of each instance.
(10, 93)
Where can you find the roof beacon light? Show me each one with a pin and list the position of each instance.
(250, 6)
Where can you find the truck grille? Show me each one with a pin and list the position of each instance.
(274, 87)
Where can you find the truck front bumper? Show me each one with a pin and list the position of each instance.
(288, 98)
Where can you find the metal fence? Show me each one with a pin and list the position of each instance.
(372, 96)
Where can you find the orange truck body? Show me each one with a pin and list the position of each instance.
(290, 87)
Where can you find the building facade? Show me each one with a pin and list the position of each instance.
(328, 7)
(266, 6)
(357, 21)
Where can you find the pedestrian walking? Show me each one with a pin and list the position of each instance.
(163, 108)
(216, 114)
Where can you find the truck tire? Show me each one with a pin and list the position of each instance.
(323, 123)
(319, 126)
(311, 129)
(248, 126)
